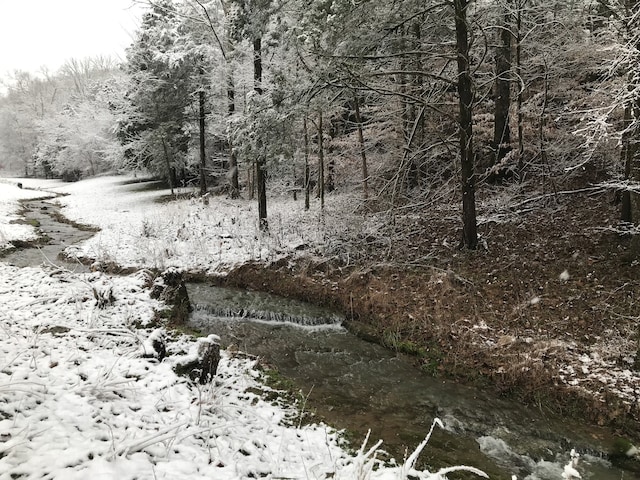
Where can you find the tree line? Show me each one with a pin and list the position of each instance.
(400, 99)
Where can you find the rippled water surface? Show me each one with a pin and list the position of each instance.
(58, 236)
(359, 385)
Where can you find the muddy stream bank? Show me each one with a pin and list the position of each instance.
(357, 385)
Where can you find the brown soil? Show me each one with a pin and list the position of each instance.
(504, 316)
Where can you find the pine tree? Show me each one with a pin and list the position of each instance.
(154, 125)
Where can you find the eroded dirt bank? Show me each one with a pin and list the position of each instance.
(547, 314)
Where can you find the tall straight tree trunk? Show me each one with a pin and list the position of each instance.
(417, 117)
(167, 159)
(320, 161)
(203, 156)
(307, 176)
(467, 160)
(625, 157)
(363, 154)
(519, 101)
(233, 157)
(632, 147)
(261, 183)
(501, 132)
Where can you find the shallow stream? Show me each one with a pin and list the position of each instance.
(357, 385)
(56, 236)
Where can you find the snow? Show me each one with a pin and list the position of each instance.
(137, 230)
(83, 396)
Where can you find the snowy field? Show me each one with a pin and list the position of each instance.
(79, 399)
(138, 231)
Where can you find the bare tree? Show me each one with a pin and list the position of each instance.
(502, 90)
(631, 133)
(465, 100)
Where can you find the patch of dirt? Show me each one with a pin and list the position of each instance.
(548, 312)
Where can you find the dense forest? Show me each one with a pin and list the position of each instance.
(408, 101)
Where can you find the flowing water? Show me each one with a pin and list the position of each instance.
(56, 237)
(358, 385)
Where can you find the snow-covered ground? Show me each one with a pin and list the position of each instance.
(138, 231)
(80, 399)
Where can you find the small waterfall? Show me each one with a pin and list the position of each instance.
(258, 306)
(298, 318)
(363, 386)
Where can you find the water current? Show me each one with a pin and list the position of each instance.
(360, 386)
(56, 236)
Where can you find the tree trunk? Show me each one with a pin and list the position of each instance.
(501, 132)
(518, 72)
(467, 160)
(320, 161)
(417, 117)
(363, 154)
(625, 156)
(233, 158)
(262, 193)
(307, 179)
(251, 180)
(261, 166)
(331, 175)
(203, 157)
(257, 65)
(632, 147)
(170, 170)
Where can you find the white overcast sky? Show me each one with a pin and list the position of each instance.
(36, 33)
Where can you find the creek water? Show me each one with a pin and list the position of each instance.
(55, 237)
(360, 386)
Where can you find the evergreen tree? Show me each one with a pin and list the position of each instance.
(155, 122)
(250, 20)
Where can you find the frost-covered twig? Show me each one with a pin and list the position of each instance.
(17, 387)
(365, 461)
(408, 469)
(168, 433)
(8, 445)
(621, 229)
(443, 472)
(409, 464)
